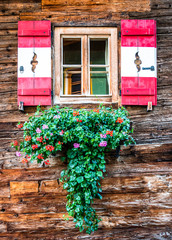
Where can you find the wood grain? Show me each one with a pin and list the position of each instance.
(137, 188)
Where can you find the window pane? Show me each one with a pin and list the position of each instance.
(72, 51)
(99, 81)
(72, 81)
(99, 51)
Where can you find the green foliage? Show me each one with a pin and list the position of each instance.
(85, 136)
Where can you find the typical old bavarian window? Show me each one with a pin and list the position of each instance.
(85, 64)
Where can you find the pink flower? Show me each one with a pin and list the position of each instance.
(56, 116)
(38, 130)
(103, 135)
(76, 145)
(61, 133)
(51, 134)
(103, 144)
(18, 154)
(45, 126)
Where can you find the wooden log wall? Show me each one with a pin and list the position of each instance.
(137, 188)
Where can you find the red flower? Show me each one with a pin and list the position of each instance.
(46, 138)
(27, 156)
(24, 160)
(15, 143)
(40, 156)
(109, 133)
(34, 146)
(119, 120)
(49, 148)
(27, 138)
(39, 139)
(47, 162)
(75, 114)
(96, 110)
(78, 120)
(20, 125)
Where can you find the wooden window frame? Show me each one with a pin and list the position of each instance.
(86, 33)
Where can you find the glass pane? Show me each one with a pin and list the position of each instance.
(72, 81)
(72, 51)
(99, 81)
(99, 51)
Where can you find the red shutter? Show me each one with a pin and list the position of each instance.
(34, 63)
(138, 62)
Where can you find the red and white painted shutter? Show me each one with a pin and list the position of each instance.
(34, 84)
(138, 38)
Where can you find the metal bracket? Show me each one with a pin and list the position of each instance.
(152, 68)
(149, 106)
(119, 34)
(21, 107)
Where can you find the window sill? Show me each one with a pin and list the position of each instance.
(84, 99)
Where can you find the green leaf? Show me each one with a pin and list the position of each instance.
(80, 179)
(63, 172)
(65, 185)
(99, 174)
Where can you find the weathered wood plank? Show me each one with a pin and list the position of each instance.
(24, 187)
(87, 5)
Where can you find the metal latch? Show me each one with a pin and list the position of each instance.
(152, 68)
(21, 107)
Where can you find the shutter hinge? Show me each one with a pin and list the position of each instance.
(52, 94)
(119, 34)
(21, 106)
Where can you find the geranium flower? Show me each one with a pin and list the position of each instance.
(27, 138)
(34, 146)
(24, 160)
(49, 148)
(76, 145)
(75, 114)
(45, 126)
(40, 156)
(51, 134)
(119, 120)
(47, 162)
(109, 133)
(61, 133)
(103, 144)
(103, 135)
(18, 154)
(20, 125)
(38, 130)
(96, 110)
(15, 143)
(78, 120)
(40, 139)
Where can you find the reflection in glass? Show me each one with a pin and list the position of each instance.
(98, 51)
(99, 80)
(71, 81)
(99, 66)
(71, 51)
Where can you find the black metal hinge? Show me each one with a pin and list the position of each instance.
(119, 34)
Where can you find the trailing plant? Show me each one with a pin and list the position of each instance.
(85, 136)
